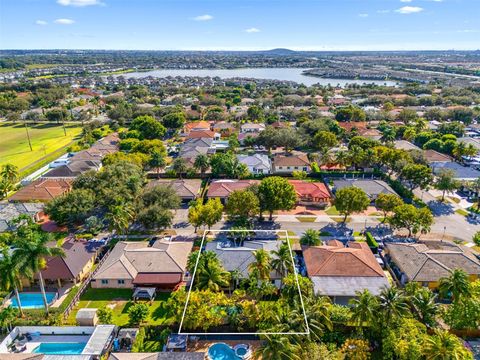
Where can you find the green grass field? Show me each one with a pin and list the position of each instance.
(45, 138)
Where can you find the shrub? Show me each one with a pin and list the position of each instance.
(138, 313)
(105, 315)
(139, 340)
(371, 240)
(476, 238)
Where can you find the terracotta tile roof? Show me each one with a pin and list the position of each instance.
(291, 160)
(42, 190)
(315, 190)
(223, 188)
(352, 261)
(201, 125)
(349, 125)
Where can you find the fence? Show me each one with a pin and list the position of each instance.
(84, 287)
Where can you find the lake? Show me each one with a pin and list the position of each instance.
(283, 74)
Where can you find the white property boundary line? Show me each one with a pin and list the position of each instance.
(244, 333)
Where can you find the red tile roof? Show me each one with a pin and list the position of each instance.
(291, 160)
(42, 190)
(314, 190)
(223, 188)
(336, 260)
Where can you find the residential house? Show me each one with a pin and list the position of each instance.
(462, 173)
(286, 164)
(191, 148)
(196, 126)
(186, 189)
(340, 272)
(239, 258)
(370, 186)
(42, 190)
(432, 156)
(161, 264)
(73, 169)
(311, 193)
(426, 262)
(249, 128)
(77, 263)
(222, 189)
(405, 145)
(224, 128)
(10, 211)
(200, 134)
(256, 163)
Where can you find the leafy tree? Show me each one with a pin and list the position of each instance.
(288, 138)
(409, 217)
(407, 116)
(119, 218)
(299, 174)
(255, 112)
(157, 161)
(325, 140)
(71, 208)
(387, 202)
(212, 212)
(350, 113)
(174, 120)
(242, 205)
(351, 199)
(148, 127)
(202, 163)
(356, 349)
(278, 347)
(476, 238)
(405, 340)
(8, 315)
(227, 164)
(417, 175)
(311, 237)
(155, 217)
(105, 315)
(276, 193)
(138, 313)
(446, 182)
(268, 138)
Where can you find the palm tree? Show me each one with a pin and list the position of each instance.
(456, 285)
(425, 307)
(317, 311)
(119, 218)
(260, 267)
(311, 237)
(33, 252)
(278, 347)
(445, 346)
(343, 158)
(393, 304)
(10, 274)
(364, 309)
(5, 187)
(235, 276)
(202, 163)
(282, 260)
(9, 172)
(157, 161)
(179, 166)
(212, 276)
(7, 315)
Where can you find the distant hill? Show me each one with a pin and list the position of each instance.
(280, 51)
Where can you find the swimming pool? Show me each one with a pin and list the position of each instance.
(32, 300)
(59, 348)
(221, 351)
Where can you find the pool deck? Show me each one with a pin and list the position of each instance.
(31, 345)
(203, 345)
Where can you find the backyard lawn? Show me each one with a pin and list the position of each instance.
(120, 301)
(45, 138)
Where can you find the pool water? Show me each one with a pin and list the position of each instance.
(221, 351)
(32, 300)
(60, 348)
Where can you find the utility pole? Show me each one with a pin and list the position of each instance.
(28, 135)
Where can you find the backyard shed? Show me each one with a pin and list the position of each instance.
(87, 317)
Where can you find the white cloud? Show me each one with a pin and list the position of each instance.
(406, 1)
(252, 30)
(41, 22)
(205, 17)
(64, 21)
(363, 15)
(409, 10)
(79, 3)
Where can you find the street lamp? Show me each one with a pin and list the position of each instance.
(444, 229)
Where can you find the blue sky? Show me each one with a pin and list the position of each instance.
(240, 24)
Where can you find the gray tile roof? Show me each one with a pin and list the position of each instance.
(239, 258)
(10, 211)
(461, 172)
(371, 187)
(431, 260)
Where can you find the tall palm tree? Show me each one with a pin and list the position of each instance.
(119, 218)
(202, 163)
(364, 309)
(282, 260)
(260, 267)
(445, 346)
(456, 285)
(343, 158)
(425, 307)
(393, 304)
(211, 276)
(9, 172)
(33, 252)
(10, 274)
(278, 347)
